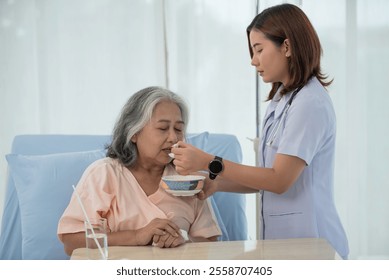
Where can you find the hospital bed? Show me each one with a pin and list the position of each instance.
(42, 169)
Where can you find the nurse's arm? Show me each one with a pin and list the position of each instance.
(278, 179)
(241, 178)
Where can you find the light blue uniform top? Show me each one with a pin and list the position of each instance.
(308, 131)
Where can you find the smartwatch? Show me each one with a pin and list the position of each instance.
(215, 167)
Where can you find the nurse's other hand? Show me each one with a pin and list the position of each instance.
(210, 187)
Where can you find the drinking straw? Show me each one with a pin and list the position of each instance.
(89, 223)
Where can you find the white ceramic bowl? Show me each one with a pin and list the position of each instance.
(183, 182)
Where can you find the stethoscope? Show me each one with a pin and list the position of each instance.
(277, 125)
(272, 137)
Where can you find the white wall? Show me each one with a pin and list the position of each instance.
(67, 66)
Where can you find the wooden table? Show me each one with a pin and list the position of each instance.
(285, 249)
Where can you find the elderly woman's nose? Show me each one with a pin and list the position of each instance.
(173, 135)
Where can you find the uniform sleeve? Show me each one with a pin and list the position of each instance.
(96, 196)
(309, 123)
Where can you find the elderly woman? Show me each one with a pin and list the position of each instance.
(125, 187)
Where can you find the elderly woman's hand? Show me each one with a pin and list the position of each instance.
(157, 227)
(167, 241)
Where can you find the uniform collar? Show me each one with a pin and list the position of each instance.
(279, 102)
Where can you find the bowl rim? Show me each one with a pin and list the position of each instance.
(183, 178)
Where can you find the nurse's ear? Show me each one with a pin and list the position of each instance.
(286, 48)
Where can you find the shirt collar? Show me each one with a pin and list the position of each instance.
(279, 102)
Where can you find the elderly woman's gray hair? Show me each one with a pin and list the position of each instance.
(136, 113)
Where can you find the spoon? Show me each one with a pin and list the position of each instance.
(171, 154)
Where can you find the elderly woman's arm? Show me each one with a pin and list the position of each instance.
(164, 228)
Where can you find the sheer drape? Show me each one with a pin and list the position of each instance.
(67, 66)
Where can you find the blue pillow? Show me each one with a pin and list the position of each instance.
(198, 139)
(230, 208)
(44, 187)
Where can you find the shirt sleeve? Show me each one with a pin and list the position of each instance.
(205, 223)
(96, 197)
(308, 125)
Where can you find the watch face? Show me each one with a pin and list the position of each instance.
(215, 166)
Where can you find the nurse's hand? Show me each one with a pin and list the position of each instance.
(210, 187)
(189, 159)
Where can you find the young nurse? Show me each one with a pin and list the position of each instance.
(296, 154)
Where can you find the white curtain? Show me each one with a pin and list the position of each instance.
(68, 66)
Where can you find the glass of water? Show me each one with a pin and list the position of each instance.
(96, 239)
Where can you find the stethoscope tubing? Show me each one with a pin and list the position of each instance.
(276, 126)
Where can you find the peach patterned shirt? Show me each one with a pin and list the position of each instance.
(108, 189)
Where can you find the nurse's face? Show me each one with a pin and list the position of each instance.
(154, 141)
(270, 60)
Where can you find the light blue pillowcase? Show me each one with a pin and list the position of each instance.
(230, 208)
(201, 141)
(44, 187)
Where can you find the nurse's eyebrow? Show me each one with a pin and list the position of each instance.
(255, 45)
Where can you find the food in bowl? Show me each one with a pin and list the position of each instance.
(183, 182)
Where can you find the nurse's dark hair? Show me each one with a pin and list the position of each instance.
(287, 21)
(134, 116)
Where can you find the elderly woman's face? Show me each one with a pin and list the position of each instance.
(165, 128)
